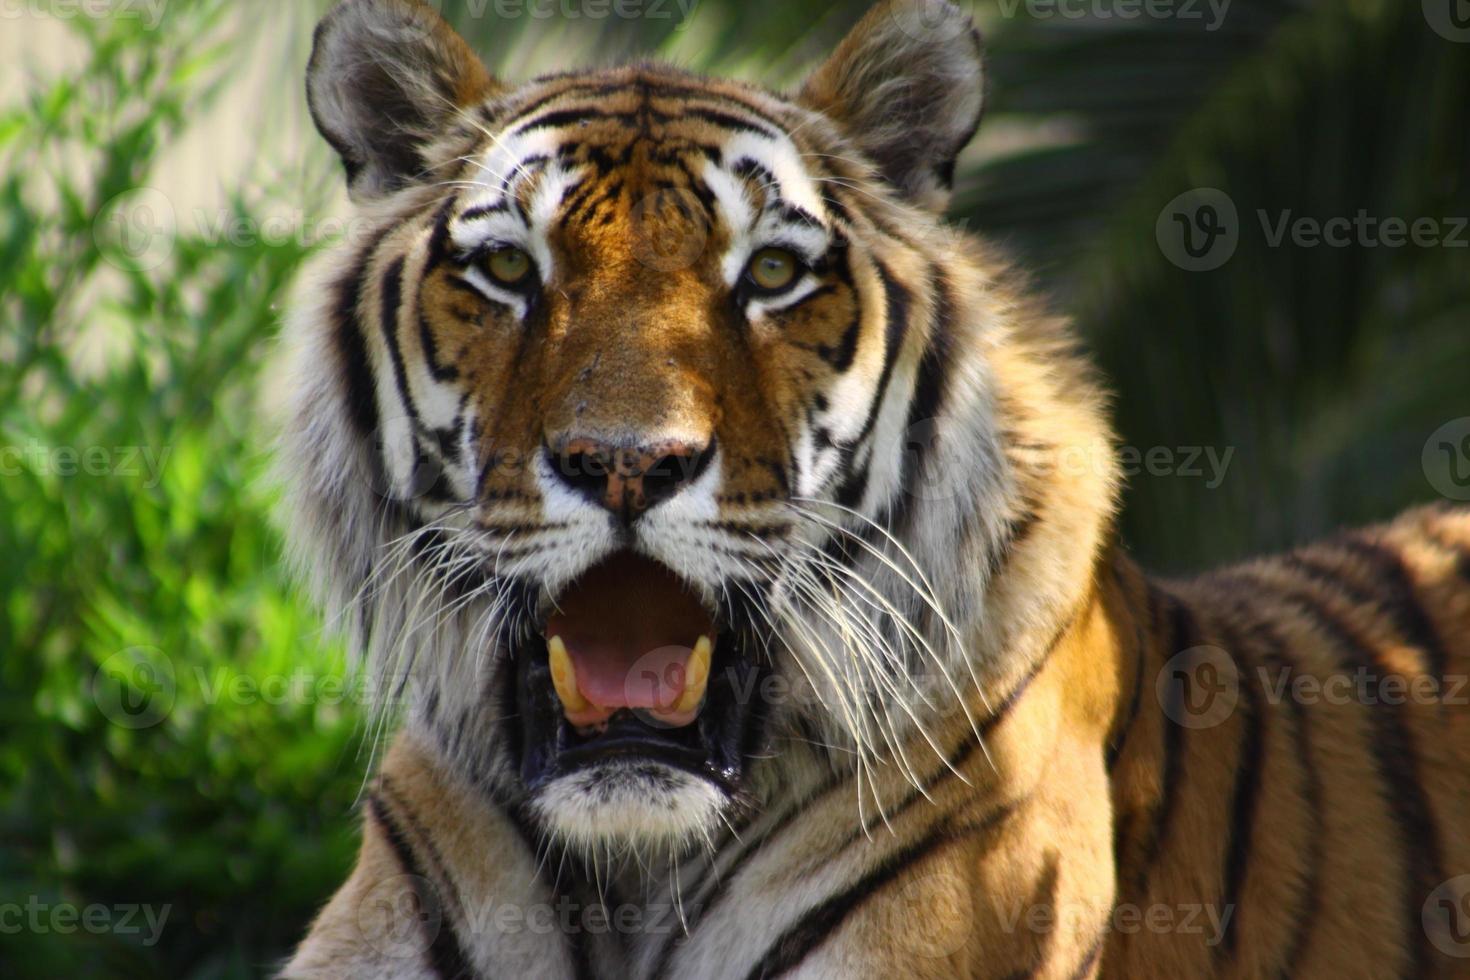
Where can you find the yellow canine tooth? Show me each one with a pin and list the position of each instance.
(564, 676)
(696, 676)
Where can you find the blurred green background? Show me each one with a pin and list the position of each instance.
(160, 184)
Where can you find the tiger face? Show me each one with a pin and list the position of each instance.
(615, 440)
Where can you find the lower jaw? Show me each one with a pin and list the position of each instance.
(629, 803)
(714, 747)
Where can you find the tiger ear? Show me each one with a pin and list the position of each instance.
(907, 85)
(387, 77)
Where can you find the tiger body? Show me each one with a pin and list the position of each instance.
(949, 728)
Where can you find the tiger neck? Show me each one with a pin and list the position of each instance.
(1077, 679)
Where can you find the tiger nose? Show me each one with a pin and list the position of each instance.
(628, 480)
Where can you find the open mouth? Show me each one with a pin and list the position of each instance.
(633, 665)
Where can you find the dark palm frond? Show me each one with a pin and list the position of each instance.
(1281, 353)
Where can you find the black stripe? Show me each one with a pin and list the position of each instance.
(1144, 622)
(1272, 654)
(840, 356)
(391, 305)
(566, 117)
(1399, 599)
(896, 305)
(502, 206)
(839, 211)
(360, 394)
(440, 372)
(747, 167)
(1246, 795)
(1124, 822)
(849, 494)
(926, 402)
(588, 194)
(721, 118)
(438, 249)
(651, 88)
(575, 91)
(446, 957)
(795, 214)
(853, 488)
(1183, 635)
(721, 103)
(392, 302)
(817, 925)
(1397, 767)
(450, 440)
(439, 239)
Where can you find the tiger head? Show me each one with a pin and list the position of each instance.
(656, 439)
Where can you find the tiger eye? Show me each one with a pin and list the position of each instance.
(509, 265)
(772, 268)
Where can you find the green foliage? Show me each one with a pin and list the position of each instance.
(135, 516)
(187, 786)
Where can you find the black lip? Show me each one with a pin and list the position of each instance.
(630, 734)
(714, 747)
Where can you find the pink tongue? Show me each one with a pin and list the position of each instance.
(624, 676)
(629, 626)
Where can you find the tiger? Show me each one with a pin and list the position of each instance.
(731, 544)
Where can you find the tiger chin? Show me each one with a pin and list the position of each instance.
(731, 542)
